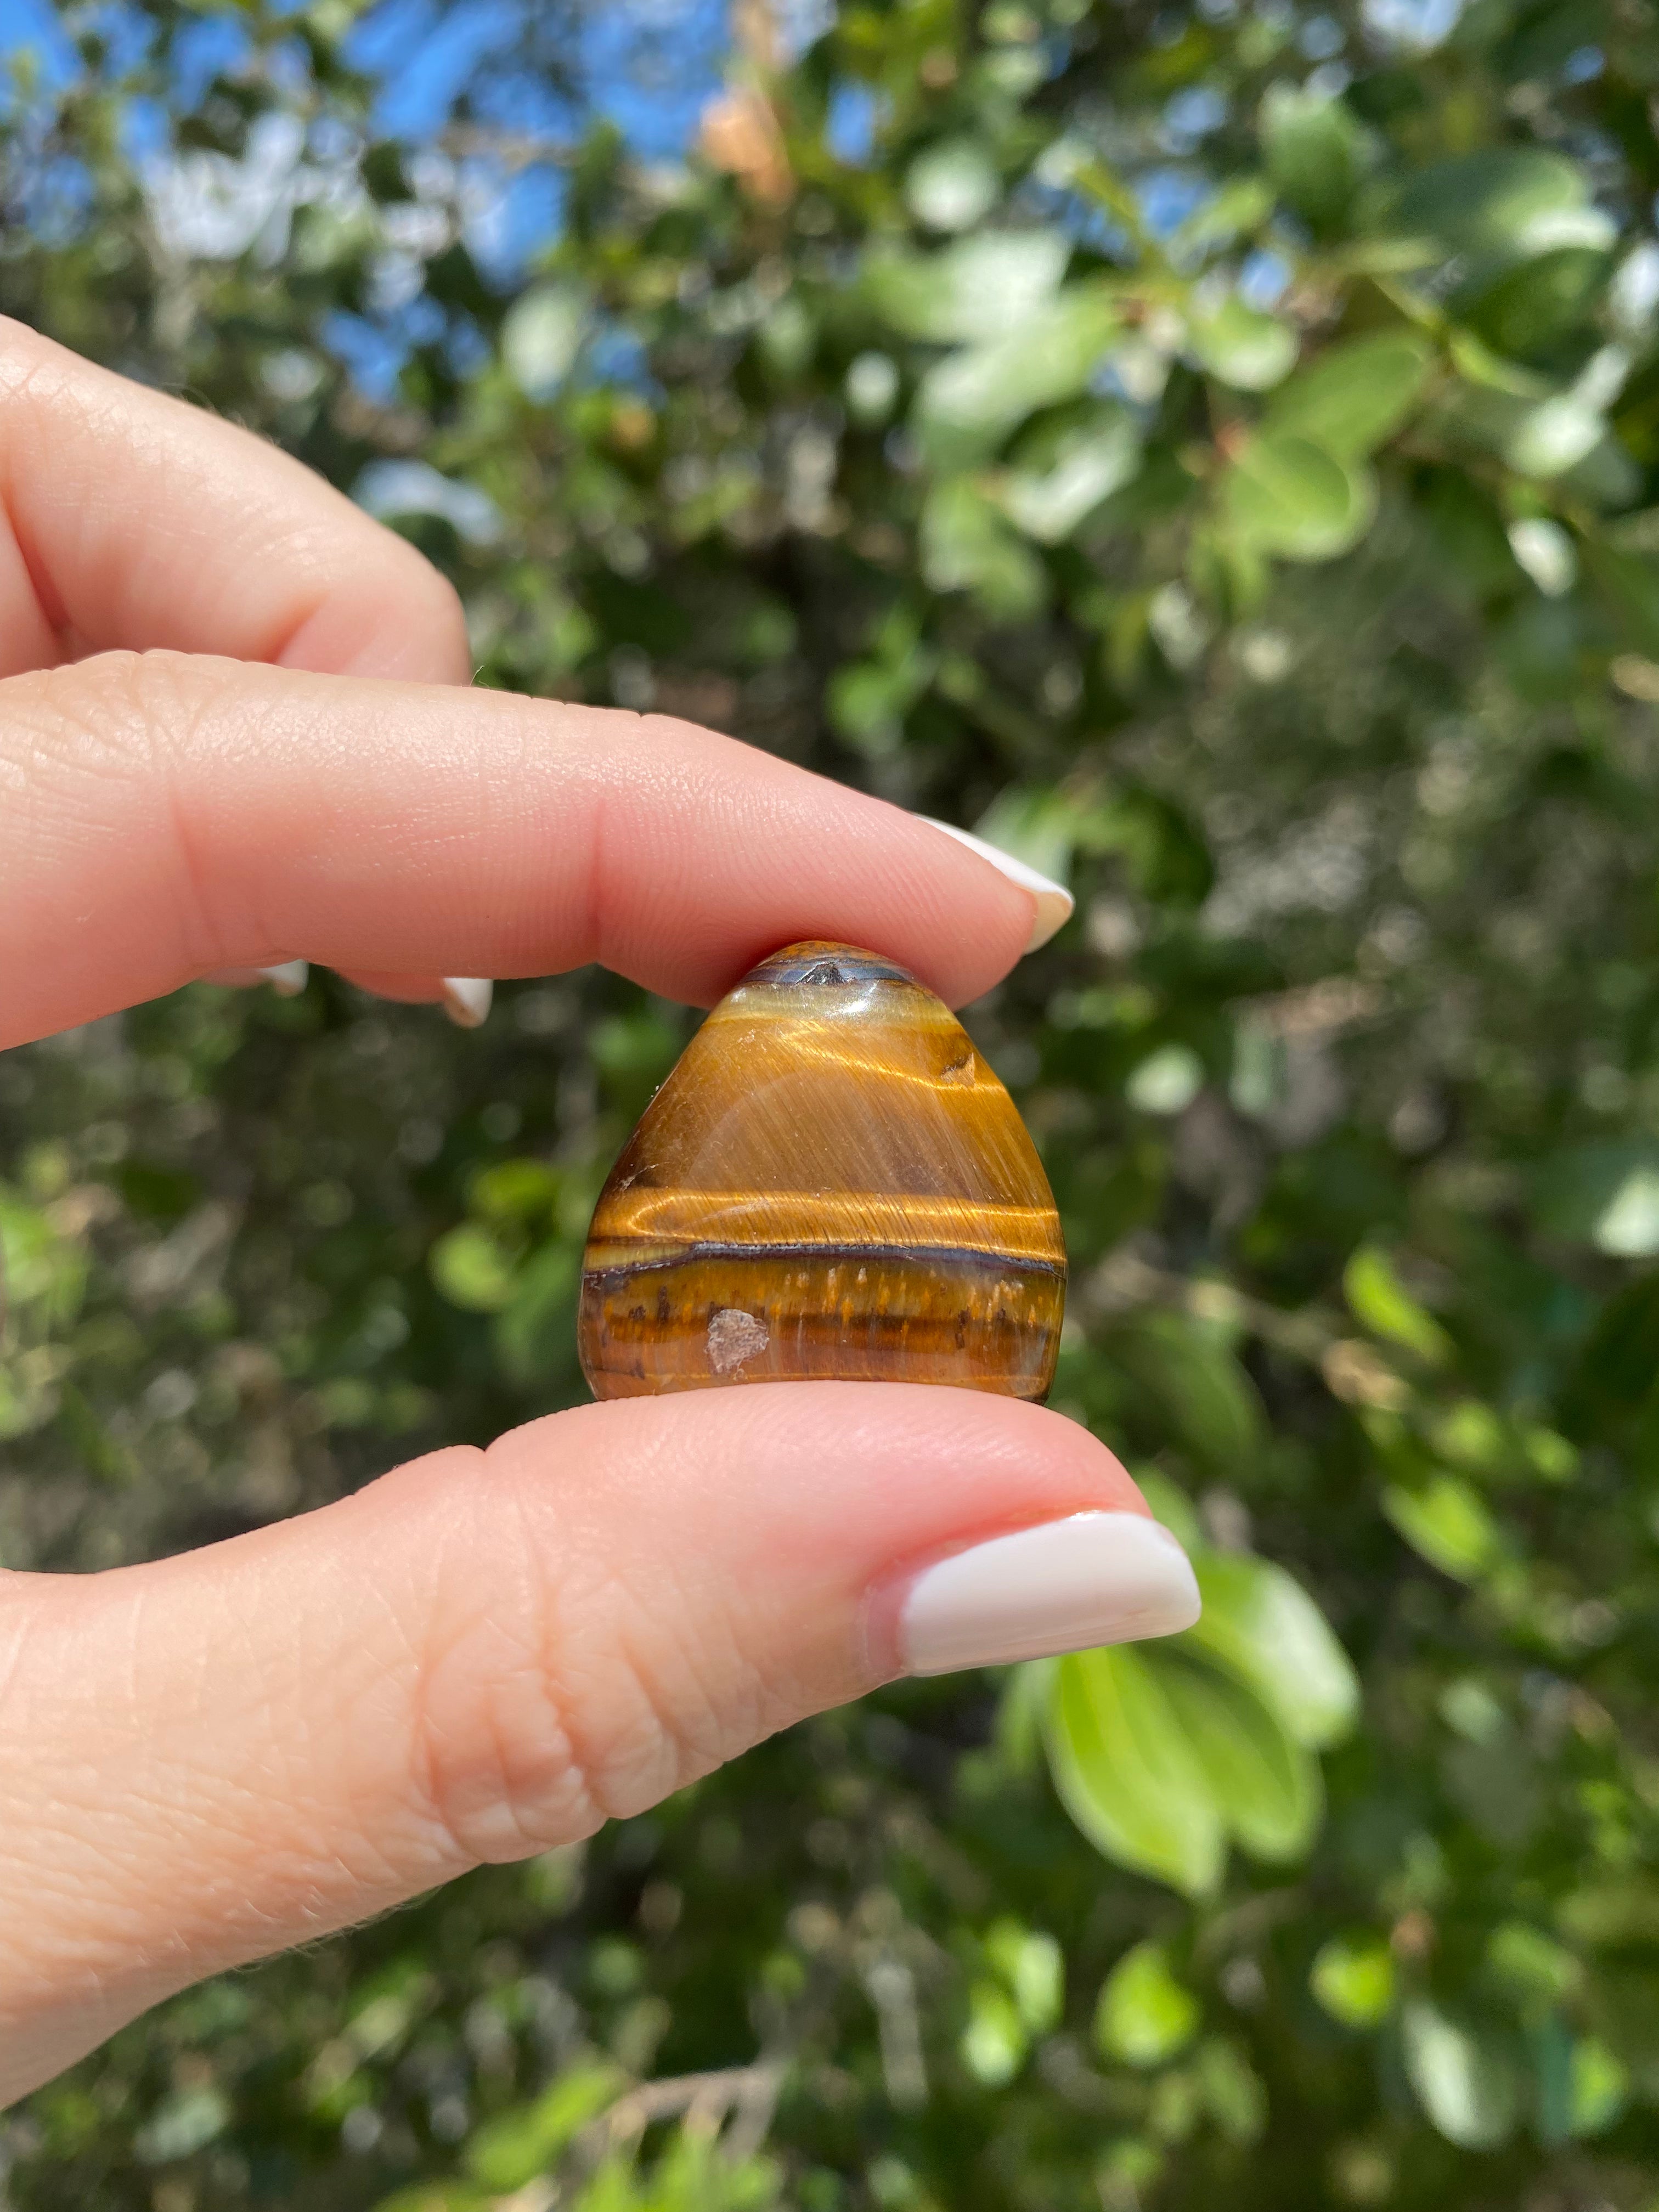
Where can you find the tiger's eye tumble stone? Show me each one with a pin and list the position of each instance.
(830, 1183)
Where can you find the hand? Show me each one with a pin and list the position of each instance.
(234, 732)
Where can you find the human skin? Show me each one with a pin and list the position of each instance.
(236, 731)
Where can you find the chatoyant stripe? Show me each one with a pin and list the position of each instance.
(932, 1256)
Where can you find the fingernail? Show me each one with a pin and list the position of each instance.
(287, 978)
(467, 1000)
(1054, 901)
(1066, 1586)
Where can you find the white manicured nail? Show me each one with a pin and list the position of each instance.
(1065, 1586)
(467, 1000)
(1054, 901)
(287, 978)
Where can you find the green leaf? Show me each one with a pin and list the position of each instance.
(1604, 1194)
(541, 334)
(1529, 1967)
(507, 2153)
(1471, 1435)
(1466, 2085)
(867, 704)
(1316, 151)
(470, 1269)
(1289, 496)
(1242, 204)
(1380, 1302)
(1162, 853)
(1187, 1366)
(952, 185)
(536, 1328)
(1503, 205)
(1032, 1966)
(981, 288)
(1553, 437)
(1022, 1715)
(1260, 1624)
(1037, 824)
(1446, 1521)
(1266, 1785)
(1599, 2089)
(967, 403)
(1091, 464)
(1353, 1979)
(1474, 360)
(1145, 2016)
(1627, 581)
(1615, 1369)
(1166, 1082)
(1353, 396)
(1171, 1505)
(1231, 2089)
(992, 2046)
(514, 1190)
(966, 545)
(1628, 1225)
(39, 1268)
(635, 1049)
(1527, 313)
(184, 2123)
(1241, 346)
(1126, 1773)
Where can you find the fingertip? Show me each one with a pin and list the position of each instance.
(872, 1529)
(1052, 903)
(874, 1468)
(1037, 1592)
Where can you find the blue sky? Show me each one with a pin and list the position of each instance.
(32, 24)
(649, 66)
(527, 67)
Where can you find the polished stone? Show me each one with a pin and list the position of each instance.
(831, 1183)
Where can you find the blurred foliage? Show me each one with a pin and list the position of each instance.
(1214, 448)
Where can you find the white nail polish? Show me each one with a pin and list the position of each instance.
(467, 1000)
(1054, 901)
(1065, 1586)
(287, 978)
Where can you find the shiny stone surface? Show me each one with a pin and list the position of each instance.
(831, 1183)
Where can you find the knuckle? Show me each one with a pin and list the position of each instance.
(25, 355)
(98, 748)
(494, 1761)
(66, 732)
(122, 702)
(648, 1715)
(563, 1691)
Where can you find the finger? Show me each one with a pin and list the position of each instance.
(168, 816)
(485, 1655)
(131, 520)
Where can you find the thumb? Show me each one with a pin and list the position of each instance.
(486, 1654)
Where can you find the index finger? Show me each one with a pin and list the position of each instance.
(128, 519)
(169, 816)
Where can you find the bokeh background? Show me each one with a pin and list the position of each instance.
(1213, 448)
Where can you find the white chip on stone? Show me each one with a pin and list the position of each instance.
(733, 1337)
